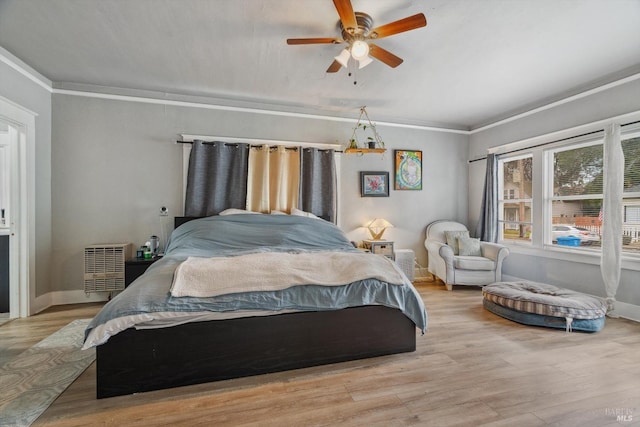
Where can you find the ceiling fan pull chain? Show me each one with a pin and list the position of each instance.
(355, 70)
(352, 72)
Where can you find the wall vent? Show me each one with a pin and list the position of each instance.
(104, 267)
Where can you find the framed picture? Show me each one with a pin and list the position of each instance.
(408, 170)
(374, 184)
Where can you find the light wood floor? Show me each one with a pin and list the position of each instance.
(471, 368)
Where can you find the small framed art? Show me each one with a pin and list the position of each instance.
(374, 184)
(408, 170)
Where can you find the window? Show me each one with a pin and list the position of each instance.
(576, 188)
(576, 194)
(632, 214)
(515, 177)
(552, 194)
(631, 195)
(510, 194)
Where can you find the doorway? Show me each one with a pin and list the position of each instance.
(17, 167)
(5, 193)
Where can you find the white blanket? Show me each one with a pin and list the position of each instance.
(208, 277)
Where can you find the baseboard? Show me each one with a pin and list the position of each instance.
(627, 311)
(67, 297)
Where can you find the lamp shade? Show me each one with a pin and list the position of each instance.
(377, 227)
(343, 58)
(364, 62)
(359, 50)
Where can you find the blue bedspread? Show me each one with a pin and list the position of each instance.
(232, 235)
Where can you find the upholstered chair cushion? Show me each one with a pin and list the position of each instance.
(469, 246)
(452, 239)
(473, 263)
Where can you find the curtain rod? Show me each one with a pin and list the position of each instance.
(258, 145)
(552, 142)
(189, 137)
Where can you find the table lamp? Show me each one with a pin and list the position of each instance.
(377, 227)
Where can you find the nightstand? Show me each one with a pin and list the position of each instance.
(134, 267)
(380, 247)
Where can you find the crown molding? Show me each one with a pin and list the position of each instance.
(254, 110)
(18, 65)
(572, 132)
(101, 92)
(563, 101)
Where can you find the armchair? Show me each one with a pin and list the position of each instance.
(470, 263)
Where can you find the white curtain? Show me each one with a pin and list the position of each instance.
(274, 179)
(612, 214)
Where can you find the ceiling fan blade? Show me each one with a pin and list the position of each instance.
(407, 24)
(316, 40)
(384, 55)
(334, 67)
(345, 11)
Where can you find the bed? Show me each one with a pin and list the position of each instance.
(149, 338)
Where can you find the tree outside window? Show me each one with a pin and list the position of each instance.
(577, 194)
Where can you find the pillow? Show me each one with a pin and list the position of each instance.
(469, 246)
(233, 211)
(298, 212)
(452, 239)
(274, 212)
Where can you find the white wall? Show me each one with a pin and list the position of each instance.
(579, 273)
(115, 163)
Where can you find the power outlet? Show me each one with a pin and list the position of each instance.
(164, 211)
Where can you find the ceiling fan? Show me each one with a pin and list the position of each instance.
(357, 32)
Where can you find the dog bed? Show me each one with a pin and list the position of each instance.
(540, 304)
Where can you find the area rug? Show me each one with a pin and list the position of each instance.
(30, 382)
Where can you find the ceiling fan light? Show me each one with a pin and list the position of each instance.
(364, 62)
(343, 58)
(359, 50)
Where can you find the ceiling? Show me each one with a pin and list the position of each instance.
(474, 63)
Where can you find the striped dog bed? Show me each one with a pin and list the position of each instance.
(539, 304)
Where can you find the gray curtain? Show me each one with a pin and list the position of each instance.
(487, 228)
(318, 183)
(217, 178)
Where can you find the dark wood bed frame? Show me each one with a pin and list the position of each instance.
(136, 361)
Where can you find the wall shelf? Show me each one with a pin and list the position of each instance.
(374, 140)
(364, 150)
